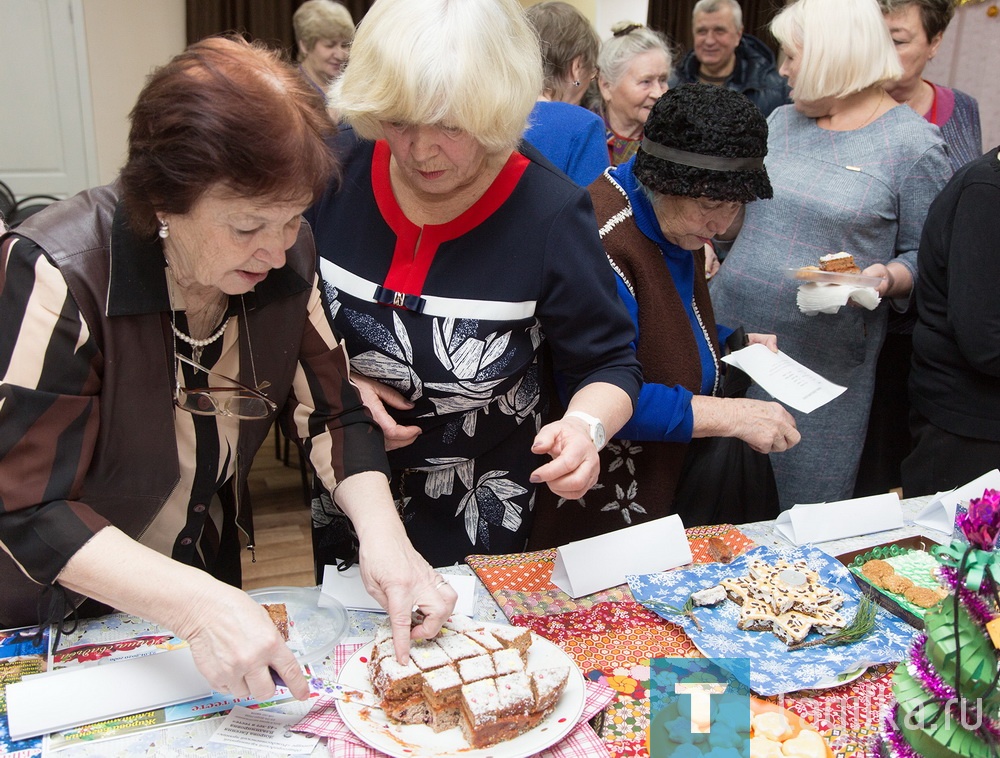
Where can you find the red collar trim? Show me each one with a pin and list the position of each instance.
(416, 246)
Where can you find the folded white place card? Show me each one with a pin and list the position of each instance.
(821, 522)
(57, 700)
(939, 513)
(347, 587)
(785, 379)
(594, 564)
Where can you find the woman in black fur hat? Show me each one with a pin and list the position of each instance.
(700, 161)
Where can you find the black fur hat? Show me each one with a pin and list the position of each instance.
(705, 141)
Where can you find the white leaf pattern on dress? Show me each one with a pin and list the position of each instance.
(470, 508)
(439, 482)
(385, 369)
(441, 340)
(463, 396)
(469, 424)
(390, 362)
(491, 502)
(404, 337)
(536, 334)
(495, 347)
(441, 479)
(333, 295)
(467, 358)
(521, 399)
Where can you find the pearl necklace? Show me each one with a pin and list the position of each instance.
(197, 346)
(200, 343)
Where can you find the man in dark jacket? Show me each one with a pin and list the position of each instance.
(723, 55)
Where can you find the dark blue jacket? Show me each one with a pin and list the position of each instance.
(754, 75)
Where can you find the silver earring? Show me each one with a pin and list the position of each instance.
(164, 230)
(576, 83)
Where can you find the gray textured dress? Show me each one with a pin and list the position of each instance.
(865, 192)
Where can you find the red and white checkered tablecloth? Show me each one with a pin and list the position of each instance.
(324, 721)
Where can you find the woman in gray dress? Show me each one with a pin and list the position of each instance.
(851, 171)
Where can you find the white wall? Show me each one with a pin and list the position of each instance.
(605, 13)
(126, 39)
(610, 12)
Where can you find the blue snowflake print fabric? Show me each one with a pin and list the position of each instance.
(774, 669)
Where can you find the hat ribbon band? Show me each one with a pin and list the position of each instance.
(697, 160)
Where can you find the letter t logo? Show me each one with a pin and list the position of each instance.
(701, 702)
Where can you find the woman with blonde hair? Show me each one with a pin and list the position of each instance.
(853, 172)
(458, 269)
(324, 31)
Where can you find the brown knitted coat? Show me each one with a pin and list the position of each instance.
(638, 478)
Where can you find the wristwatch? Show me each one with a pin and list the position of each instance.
(594, 426)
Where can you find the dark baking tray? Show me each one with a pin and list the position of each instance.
(876, 594)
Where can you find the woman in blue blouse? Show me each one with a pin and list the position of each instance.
(700, 161)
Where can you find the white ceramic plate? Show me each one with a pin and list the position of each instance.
(846, 678)
(313, 629)
(832, 277)
(419, 741)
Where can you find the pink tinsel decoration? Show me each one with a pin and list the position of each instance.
(977, 607)
(900, 747)
(981, 524)
(925, 671)
(934, 685)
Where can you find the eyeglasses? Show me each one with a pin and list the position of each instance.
(245, 403)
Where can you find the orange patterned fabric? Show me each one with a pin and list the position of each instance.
(612, 638)
(608, 634)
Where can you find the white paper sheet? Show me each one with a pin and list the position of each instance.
(594, 564)
(62, 699)
(808, 523)
(939, 514)
(263, 730)
(785, 379)
(347, 587)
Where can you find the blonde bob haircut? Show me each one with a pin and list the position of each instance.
(844, 47)
(472, 65)
(321, 19)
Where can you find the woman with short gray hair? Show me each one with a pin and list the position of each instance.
(633, 70)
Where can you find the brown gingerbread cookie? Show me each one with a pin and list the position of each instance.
(895, 583)
(876, 568)
(923, 596)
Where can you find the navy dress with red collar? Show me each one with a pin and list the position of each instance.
(465, 319)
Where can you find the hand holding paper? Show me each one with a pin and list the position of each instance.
(785, 379)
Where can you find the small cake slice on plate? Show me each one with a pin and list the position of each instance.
(842, 263)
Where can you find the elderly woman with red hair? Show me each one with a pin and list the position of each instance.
(153, 330)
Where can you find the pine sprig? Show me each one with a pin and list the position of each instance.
(685, 610)
(860, 627)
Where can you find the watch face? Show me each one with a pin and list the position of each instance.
(599, 435)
